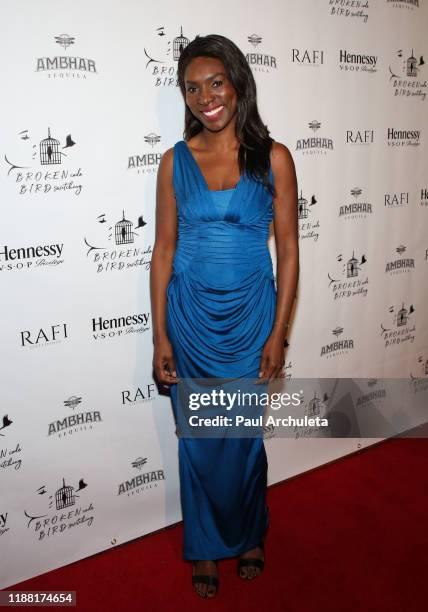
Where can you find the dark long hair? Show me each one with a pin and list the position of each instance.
(253, 136)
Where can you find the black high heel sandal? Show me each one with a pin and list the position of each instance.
(205, 579)
(251, 562)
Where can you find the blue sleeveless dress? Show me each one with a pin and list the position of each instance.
(221, 302)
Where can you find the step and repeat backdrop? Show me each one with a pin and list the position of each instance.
(88, 449)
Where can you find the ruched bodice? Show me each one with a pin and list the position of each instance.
(221, 302)
(219, 227)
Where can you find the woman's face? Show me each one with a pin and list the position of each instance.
(210, 95)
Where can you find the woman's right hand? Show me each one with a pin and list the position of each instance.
(163, 362)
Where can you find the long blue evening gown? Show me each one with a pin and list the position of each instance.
(221, 302)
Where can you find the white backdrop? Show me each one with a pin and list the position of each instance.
(88, 452)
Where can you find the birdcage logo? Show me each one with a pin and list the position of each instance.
(64, 496)
(314, 406)
(412, 68)
(123, 233)
(402, 316)
(352, 267)
(49, 151)
(303, 207)
(179, 44)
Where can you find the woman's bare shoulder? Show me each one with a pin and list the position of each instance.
(168, 156)
(166, 171)
(280, 153)
(281, 160)
(166, 163)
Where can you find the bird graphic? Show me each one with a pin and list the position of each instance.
(82, 484)
(69, 142)
(141, 222)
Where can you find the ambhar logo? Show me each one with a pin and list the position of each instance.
(147, 162)
(64, 66)
(314, 145)
(259, 62)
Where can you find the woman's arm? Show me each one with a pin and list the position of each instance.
(287, 252)
(161, 267)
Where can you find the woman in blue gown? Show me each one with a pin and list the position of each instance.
(216, 310)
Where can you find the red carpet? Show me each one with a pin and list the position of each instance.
(350, 536)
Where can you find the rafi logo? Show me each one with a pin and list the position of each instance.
(401, 264)
(47, 336)
(359, 137)
(307, 57)
(67, 514)
(257, 60)
(141, 394)
(31, 257)
(65, 66)
(424, 196)
(140, 483)
(74, 423)
(131, 252)
(403, 138)
(400, 328)
(308, 225)
(357, 9)
(337, 347)
(396, 200)
(147, 161)
(314, 145)
(162, 55)
(405, 4)
(10, 456)
(44, 166)
(407, 76)
(103, 328)
(349, 61)
(354, 284)
(355, 209)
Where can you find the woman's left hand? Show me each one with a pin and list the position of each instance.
(273, 357)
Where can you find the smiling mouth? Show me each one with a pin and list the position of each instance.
(214, 112)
